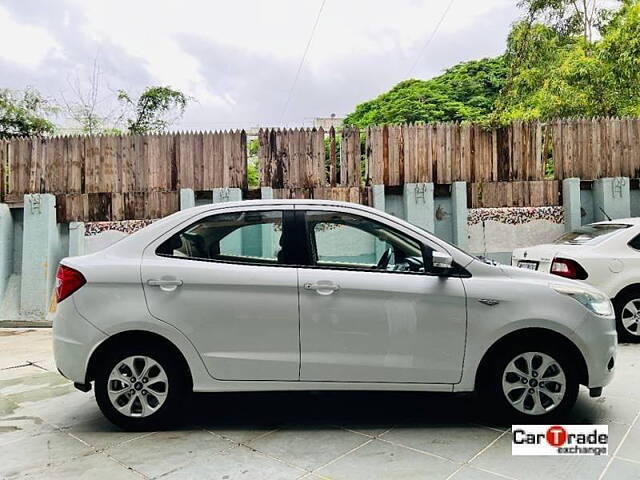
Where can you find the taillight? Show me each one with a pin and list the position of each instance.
(568, 269)
(68, 281)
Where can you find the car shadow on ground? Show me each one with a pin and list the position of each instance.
(351, 410)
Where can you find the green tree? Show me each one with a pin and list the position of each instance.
(466, 91)
(155, 109)
(554, 74)
(25, 113)
(253, 164)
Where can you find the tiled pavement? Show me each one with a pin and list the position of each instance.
(49, 430)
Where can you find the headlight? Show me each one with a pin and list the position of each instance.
(596, 302)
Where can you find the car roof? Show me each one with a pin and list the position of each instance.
(618, 221)
(272, 202)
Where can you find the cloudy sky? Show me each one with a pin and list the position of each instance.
(240, 58)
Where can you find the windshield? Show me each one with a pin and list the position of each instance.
(590, 234)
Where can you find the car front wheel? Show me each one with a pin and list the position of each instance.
(140, 388)
(531, 384)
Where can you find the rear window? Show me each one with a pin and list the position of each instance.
(590, 234)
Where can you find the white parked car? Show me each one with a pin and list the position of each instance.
(319, 295)
(605, 255)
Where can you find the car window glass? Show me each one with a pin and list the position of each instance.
(635, 242)
(341, 240)
(247, 237)
(590, 234)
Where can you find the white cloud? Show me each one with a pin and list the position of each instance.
(25, 45)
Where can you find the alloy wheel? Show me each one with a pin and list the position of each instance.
(534, 383)
(137, 386)
(630, 317)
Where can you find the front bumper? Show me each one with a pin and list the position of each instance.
(74, 339)
(599, 344)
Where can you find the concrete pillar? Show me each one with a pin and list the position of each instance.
(76, 239)
(41, 252)
(418, 204)
(571, 203)
(233, 242)
(459, 214)
(221, 195)
(378, 203)
(611, 197)
(378, 197)
(187, 198)
(266, 234)
(6, 247)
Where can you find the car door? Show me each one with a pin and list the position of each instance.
(367, 312)
(226, 282)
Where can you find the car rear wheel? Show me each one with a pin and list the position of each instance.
(140, 388)
(627, 308)
(530, 383)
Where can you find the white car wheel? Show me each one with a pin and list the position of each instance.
(630, 317)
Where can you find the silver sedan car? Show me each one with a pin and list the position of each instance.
(319, 295)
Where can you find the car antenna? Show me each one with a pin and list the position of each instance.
(605, 213)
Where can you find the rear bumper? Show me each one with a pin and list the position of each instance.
(74, 339)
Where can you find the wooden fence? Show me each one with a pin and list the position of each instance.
(449, 152)
(115, 177)
(118, 177)
(299, 158)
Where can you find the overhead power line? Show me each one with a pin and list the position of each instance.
(430, 39)
(304, 56)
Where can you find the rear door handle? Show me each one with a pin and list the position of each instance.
(166, 285)
(323, 288)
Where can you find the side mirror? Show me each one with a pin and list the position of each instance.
(442, 260)
(435, 262)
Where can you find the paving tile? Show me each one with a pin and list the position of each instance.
(90, 467)
(498, 459)
(164, 452)
(622, 470)
(378, 459)
(7, 407)
(235, 463)
(64, 411)
(19, 372)
(470, 473)
(100, 433)
(24, 345)
(242, 435)
(631, 447)
(368, 430)
(308, 448)
(458, 443)
(31, 382)
(603, 410)
(38, 452)
(19, 427)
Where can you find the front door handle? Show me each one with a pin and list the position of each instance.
(165, 284)
(323, 288)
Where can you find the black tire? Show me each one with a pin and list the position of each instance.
(619, 303)
(177, 388)
(495, 402)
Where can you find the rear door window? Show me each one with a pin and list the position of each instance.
(242, 237)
